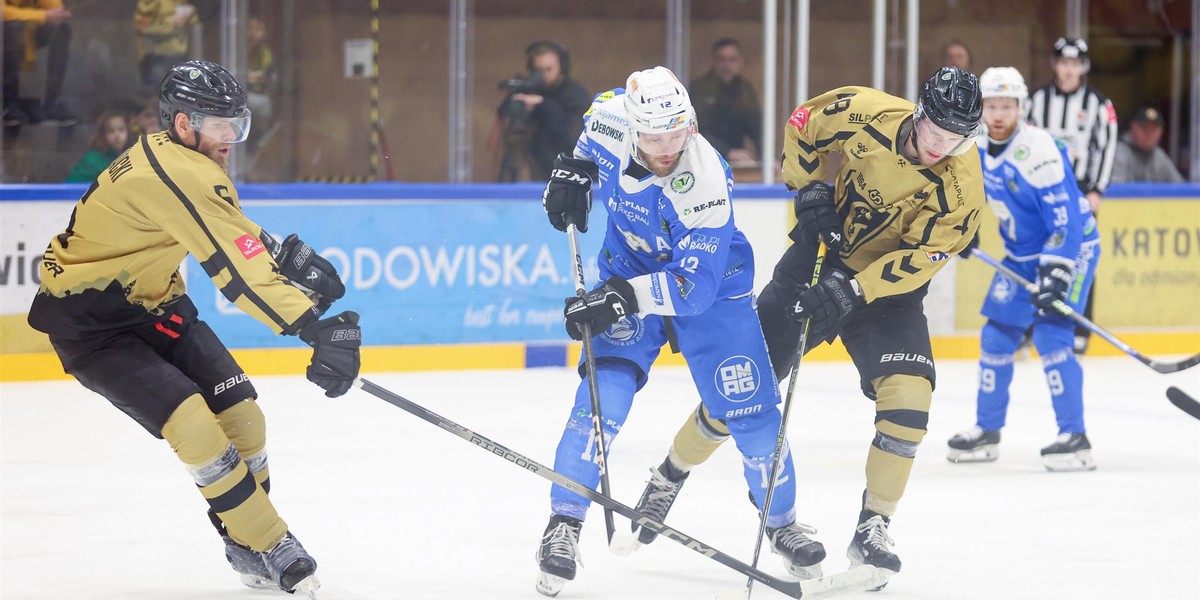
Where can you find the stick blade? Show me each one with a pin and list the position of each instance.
(623, 545)
(1187, 363)
(857, 579)
(1183, 402)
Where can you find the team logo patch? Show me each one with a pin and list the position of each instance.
(799, 118)
(737, 378)
(683, 182)
(625, 332)
(193, 74)
(684, 285)
(1002, 289)
(1021, 153)
(250, 246)
(937, 256)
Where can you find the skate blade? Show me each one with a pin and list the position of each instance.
(308, 587)
(622, 545)
(550, 585)
(257, 583)
(801, 572)
(986, 453)
(1072, 461)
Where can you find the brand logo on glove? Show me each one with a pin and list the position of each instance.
(565, 175)
(342, 335)
(301, 256)
(250, 246)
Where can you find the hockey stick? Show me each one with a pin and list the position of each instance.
(589, 366)
(1183, 402)
(853, 580)
(1063, 307)
(781, 438)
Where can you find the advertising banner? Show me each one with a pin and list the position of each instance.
(439, 272)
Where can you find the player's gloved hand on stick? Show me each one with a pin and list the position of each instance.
(600, 307)
(568, 195)
(816, 217)
(335, 342)
(1054, 283)
(307, 270)
(826, 306)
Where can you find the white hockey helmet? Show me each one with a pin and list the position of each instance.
(1003, 82)
(661, 117)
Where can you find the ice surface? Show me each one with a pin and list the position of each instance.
(392, 507)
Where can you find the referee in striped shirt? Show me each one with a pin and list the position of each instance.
(1086, 122)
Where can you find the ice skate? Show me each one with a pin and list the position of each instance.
(660, 493)
(557, 555)
(974, 445)
(870, 544)
(249, 565)
(291, 567)
(801, 554)
(1069, 452)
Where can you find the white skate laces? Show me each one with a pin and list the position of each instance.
(794, 535)
(563, 541)
(876, 530)
(659, 501)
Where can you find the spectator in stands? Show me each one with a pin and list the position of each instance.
(108, 142)
(727, 108)
(956, 54)
(261, 79)
(1139, 158)
(29, 25)
(161, 31)
(541, 116)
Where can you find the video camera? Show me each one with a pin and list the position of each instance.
(513, 110)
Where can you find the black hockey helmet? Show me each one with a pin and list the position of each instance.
(951, 100)
(199, 89)
(1072, 48)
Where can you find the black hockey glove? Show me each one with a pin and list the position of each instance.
(568, 195)
(1054, 283)
(816, 217)
(826, 306)
(307, 270)
(335, 343)
(600, 307)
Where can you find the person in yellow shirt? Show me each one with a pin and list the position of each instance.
(29, 25)
(161, 32)
(116, 309)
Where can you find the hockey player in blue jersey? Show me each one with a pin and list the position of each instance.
(671, 251)
(1050, 237)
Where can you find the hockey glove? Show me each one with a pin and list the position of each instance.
(568, 195)
(826, 306)
(335, 343)
(600, 307)
(816, 217)
(307, 270)
(1054, 283)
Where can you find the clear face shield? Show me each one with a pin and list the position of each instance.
(934, 139)
(663, 144)
(225, 130)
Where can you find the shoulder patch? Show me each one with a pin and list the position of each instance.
(799, 118)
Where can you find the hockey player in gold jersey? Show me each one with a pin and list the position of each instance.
(115, 308)
(906, 197)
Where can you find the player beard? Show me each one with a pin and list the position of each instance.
(659, 164)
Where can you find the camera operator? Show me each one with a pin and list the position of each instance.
(542, 115)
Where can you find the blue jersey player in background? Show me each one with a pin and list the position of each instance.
(1049, 237)
(672, 261)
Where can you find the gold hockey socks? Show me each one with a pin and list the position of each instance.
(223, 478)
(901, 419)
(245, 426)
(699, 437)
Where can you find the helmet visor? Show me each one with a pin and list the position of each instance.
(932, 138)
(226, 130)
(663, 144)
